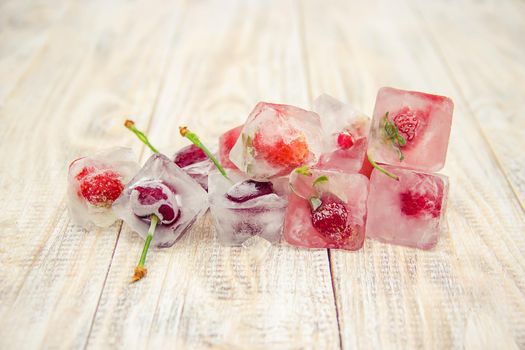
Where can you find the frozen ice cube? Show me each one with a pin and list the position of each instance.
(95, 182)
(243, 208)
(194, 162)
(276, 139)
(407, 212)
(326, 209)
(226, 142)
(410, 129)
(165, 190)
(345, 132)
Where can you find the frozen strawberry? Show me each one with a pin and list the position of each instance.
(275, 139)
(330, 218)
(226, 142)
(95, 182)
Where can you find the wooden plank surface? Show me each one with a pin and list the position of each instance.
(70, 72)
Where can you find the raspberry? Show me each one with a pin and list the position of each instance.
(407, 122)
(101, 188)
(418, 204)
(345, 140)
(189, 155)
(330, 218)
(289, 154)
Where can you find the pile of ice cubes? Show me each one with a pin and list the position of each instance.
(325, 178)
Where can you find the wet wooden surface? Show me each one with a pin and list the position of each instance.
(71, 72)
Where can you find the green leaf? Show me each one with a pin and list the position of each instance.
(315, 203)
(320, 180)
(303, 170)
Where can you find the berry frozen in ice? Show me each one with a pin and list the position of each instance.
(345, 131)
(95, 182)
(249, 189)
(164, 190)
(407, 212)
(275, 139)
(189, 155)
(327, 209)
(410, 129)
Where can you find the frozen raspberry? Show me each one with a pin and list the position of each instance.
(330, 218)
(246, 190)
(289, 153)
(407, 122)
(189, 155)
(100, 188)
(226, 142)
(418, 204)
(345, 140)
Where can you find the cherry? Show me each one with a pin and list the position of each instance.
(249, 189)
(154, 197)
(99, 188)
(345, 140)
(330, 218)
(189, 155)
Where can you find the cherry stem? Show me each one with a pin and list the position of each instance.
(130, 124)
(140, 270)
(185, 132)
(384, 171)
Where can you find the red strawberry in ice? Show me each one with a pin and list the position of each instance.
(289, 153)
(226, 142)
(99, 187)
(330, 218)
(407, 122)
(189, 155)
(345, 140)
(422, 200)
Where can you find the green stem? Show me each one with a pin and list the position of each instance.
(185, 132)
(130, 124)
(384, 171)
(149, 237)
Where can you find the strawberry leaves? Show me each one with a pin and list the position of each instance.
(392, 135)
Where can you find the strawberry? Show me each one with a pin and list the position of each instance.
(100, 188)
(289, 153)
(330, 218)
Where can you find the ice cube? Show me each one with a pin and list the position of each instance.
(326, 209)
(95, 182)
(410, 129)
(194, 162)
(407, 212)
(165, 190)
(226, 142)
(243, 208)
(276, 139)
(345, 132)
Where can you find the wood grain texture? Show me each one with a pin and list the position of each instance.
(199, 294)
(70, 102)
(470, 288)
(71, 71)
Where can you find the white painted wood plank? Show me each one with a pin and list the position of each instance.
(198, 294)
(484, 52)
(99, 65)
(470, 290)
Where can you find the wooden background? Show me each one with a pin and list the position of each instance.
(71, 71)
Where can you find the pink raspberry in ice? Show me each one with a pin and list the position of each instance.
(100, 188)
(345, 140)
(330, 218)
(407, 122)
(418, 202)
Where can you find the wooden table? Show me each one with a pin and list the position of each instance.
(71, 72)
